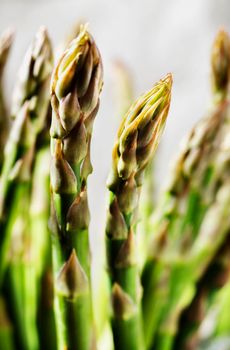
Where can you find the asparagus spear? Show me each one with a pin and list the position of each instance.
(138, 137)
(5, 45)
(216, 274)
(15, 190)
(180, 252)
(75, 88)
(29, 121)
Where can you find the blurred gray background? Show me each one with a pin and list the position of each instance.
(151, 38)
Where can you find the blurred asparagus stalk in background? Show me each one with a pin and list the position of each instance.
(30, 107)
(214, 278)
(217, 272)
(222, 319)
(191, 223)
(137, 139)
(6, 327)
(6, 40)
(75, 88)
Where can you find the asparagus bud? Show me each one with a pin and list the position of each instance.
(220, 63)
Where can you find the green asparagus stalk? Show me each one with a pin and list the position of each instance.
(216, 274)
(5, 45)
(29, 121)
(138, 137)
(14, 277)
(15, 188)
(75, 88)
(186, 221)
(30, 261)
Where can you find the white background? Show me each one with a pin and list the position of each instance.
(152, 38)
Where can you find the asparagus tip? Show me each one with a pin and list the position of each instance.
(141, 129)
(168, 80)
(6, 41)
(7, 37)
(220, 63)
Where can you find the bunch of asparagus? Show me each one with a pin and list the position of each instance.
(167, 264)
